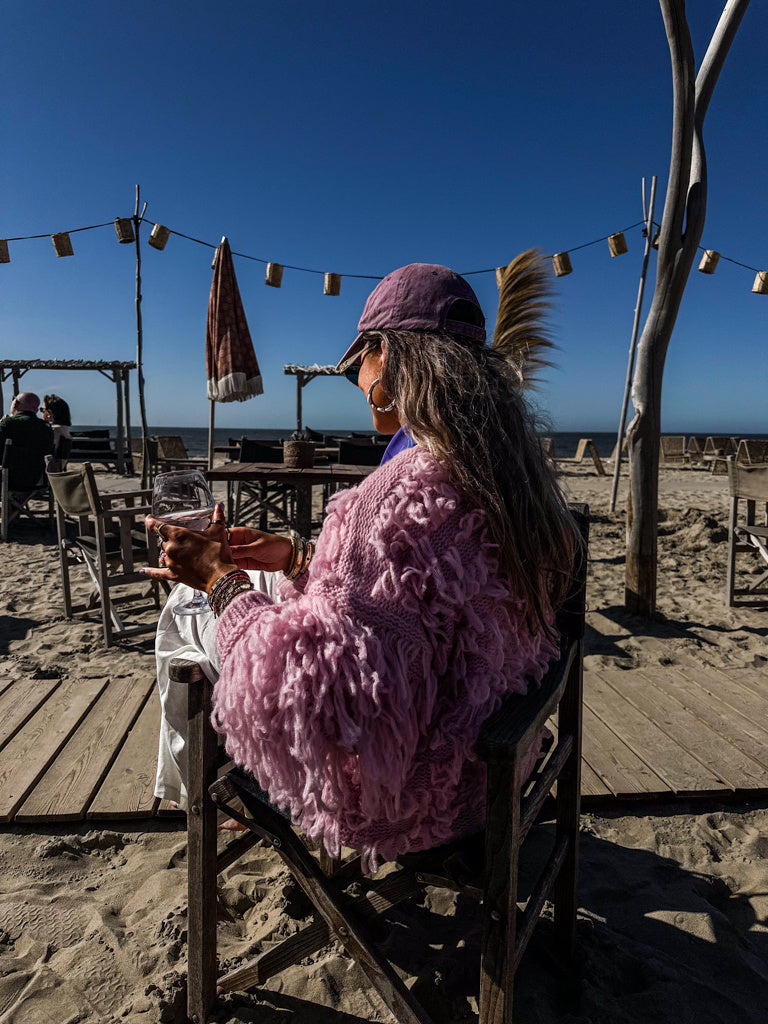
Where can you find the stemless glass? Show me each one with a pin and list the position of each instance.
(183, 498)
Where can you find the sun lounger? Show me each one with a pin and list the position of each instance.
(586, 444)
(752, 452)
(672, 450)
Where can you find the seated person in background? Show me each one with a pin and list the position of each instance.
(55, 411)
(354, 691)
(25, 430)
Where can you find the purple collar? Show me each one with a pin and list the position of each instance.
(399, 443)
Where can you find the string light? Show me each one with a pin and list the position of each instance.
(561, 261)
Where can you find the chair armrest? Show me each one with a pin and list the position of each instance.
(183, 670)
(521, 716)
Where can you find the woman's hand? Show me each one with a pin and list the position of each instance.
(197, 559)
(254, 549)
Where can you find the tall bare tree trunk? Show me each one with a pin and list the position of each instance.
(682, 225)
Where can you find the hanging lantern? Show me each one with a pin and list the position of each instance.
(124, 230)
(500, 272)
(62, 244)
(332, 284)
(617, 244)
(158, 236)
(561, 261)
(4, 254)
(760, 287)
(709, 261)
(274, 274)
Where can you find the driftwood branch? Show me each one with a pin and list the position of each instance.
(682, 226)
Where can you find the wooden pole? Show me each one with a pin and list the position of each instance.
(299, 386)
(127, 398)
(648, 217)
(145, 469)
(120, 440)
(211, 419)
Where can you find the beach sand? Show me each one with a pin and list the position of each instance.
(673, 918)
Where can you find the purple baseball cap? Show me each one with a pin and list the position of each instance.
(420, 297)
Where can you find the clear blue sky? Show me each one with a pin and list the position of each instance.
(355, 138)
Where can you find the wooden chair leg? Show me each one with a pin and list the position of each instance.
(201, 842)
(568, 811)
(500, 897)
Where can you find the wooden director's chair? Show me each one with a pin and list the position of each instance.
(491, 878)
(747, 533)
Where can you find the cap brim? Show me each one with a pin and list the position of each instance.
(352, 352)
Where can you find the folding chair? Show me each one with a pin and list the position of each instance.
(255, 502)
(746, 535)
(172, 454)
(352, 916)
(109, 539)
(23, 481)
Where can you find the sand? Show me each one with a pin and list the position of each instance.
(673, 918)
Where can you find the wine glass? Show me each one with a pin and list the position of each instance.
(183, 498)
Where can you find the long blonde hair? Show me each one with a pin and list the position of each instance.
(463, 402)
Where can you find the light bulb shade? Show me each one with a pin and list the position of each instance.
(4, 254)
(158, 236)
(124, 230)
(760, 287)
(617, 244)
(274, 275)
(62, 244)
(709, 261)
(561, 262)
(332, 284)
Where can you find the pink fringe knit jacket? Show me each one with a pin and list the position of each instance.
(356, 701)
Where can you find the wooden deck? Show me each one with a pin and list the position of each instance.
(86, 749)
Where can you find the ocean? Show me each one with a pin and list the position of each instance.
(196, 438)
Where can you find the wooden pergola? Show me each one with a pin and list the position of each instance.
(303, 375)
(117, 372)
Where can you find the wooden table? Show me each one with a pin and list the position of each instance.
(302, 480)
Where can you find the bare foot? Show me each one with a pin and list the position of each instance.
(230, 825)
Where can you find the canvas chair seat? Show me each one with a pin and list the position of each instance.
(349, 906)
(105, 534)
(747, 533)
(23, 482)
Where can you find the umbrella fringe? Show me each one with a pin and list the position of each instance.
(235, 387)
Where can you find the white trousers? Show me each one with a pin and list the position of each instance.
(192, 637)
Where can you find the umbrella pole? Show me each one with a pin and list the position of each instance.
(211, 418)
(145, 468)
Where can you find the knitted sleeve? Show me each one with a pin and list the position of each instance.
(398, 643)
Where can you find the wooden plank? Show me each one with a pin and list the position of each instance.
(65, 791)
(128, 789)
(737, 770)
(591, 783)
(743, 732)
(616, 764)
(682, 772)
(27, 756)
(20, 701)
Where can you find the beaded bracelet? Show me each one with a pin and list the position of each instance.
(226, 587)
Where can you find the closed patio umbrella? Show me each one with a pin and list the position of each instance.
(230, 362)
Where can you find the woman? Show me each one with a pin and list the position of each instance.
(55, 411)
(429, 594)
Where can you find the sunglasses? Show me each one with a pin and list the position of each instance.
(352, 373)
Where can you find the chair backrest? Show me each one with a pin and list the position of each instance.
(750, 482)
(25, 467)
(360, 453)
(695, 445)
(719, 445)
(672, 446)
(171, 446)
(69, 490)
(259, 451)
(752, 452)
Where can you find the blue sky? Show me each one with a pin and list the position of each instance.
(355, 138)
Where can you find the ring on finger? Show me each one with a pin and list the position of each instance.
(159, 531)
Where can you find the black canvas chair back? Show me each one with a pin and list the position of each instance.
(260, 451)
(350, 907)
(747, 534)
(22, 482)
(104, 534)
(360, 453)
